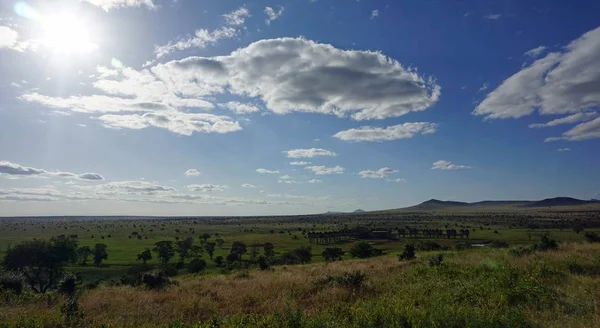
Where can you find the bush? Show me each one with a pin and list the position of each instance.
(430, 246)
(352, 281)
(592, 237)
(155, 280)
(462, 245)
(546, 244)
(436, 261)
(196, 265)
(263, 263)
(170, 271)
(521, 251)
(12, 281)
(68, 284)
(408, 253)
(499, 244)
(364, 250)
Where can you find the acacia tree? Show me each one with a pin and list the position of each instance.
(269, 249)
(184, 248)
(333, 254)
(210, 248)
(100, 253)
(237, 250)
(145, 256)
(83, 253)
(41, 262)
(164, 251)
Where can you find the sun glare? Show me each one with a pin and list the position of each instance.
(66, 34)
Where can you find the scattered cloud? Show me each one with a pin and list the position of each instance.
(239, 108)
(394, 132)
(446, 165)
(265, 171)
(247, 185)
(324, 170)
(309, 153)
(315, 181)
(560, 83)
(399, 180)
(483, 87)
(535, 52)
(192, 173)
(579, 117)
(492, 16)
(112, 4)
(374, 14)
(207, 187)
(297, 75)
(563, 149)
(299, 163)
(9, 39)
(288, 181)
(202, 37)
(13, 170)
(378, 174)
(272, 14)
(285, 177)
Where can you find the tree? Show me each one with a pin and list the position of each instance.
(263, 263)
(220, 242)
(269, 250)
(254, 253)
(184, 248)
(41, 262)
(304, 254)
(196, 265)
(218, 261)
(164, 251)
(83, 253)
(408, 253)
(100, 253)
(333, 254)
(364, 250)
(237, 250)
(145, 256)
(210, 248)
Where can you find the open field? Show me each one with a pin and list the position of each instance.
(476, 287)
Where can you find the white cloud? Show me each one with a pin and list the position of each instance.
(202, 37)
(239, 108)
(288, 181)
(208, 187)
(565, 82)
(586, 116)
(492, 16)
(192, 173)
(309, 153)
(483, 87)
(299, 163)
(446, 165)
(265, 171)
(247, 185)
(9, 38)
(128, 187)
(315, 181)
(16, 170)
(378, 174)
(295, 74)
(535, 52)
(285, 177)
(272, 14)
(323, 170)
(399, 180)
(563, 149)
(110, 4)
(374, 14)
(394, 132)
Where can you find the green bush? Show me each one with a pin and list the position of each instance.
(155, 280)
(521, 251)
(68, 284)
(592, 237)
(12, 281)
(196, 265)
(436, 261)
(408, 253)
(499, 244)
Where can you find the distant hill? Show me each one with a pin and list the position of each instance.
(358, 211)
(433, 204)
(560, 201)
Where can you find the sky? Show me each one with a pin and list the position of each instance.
(219, 108)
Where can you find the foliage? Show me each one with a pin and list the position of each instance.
(499, 244)
(429, 245)
(196, 265)
(263, 263)
(184, 248)
(164, 251)
(546, 244)
(408, 253)
(218, 261)
(521, 251)
(333, 254)
(209, 247)
(436, 261)
(364, 250)
(155, 280)
(100, 253)
(71, 313)
(68, 285)
(41, 262)
(237, 250)
(269, 249)
(592, 237)
(12, 281)
(352, 281)
(83, 253)
(145, 256)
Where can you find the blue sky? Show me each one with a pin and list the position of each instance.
(162, 107)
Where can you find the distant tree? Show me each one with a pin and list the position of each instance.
(210, 248)
(100, 253)
(184, 248)
(304, 254)
(237, 250)
(269, 249)
(145, 256)
(578, 228)
(364, 250)
(41, 262)
(83, 253)
(333, 254)
(408, 253)
(263, 263)
(218, 261)
(254, 253)
(205, 236)
(220, 242)
(196, 265)
(164, 251)
(592, 237)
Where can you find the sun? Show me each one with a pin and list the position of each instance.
(66, 34)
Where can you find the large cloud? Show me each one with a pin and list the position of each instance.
(377, 174)
(8, 37)
(446, 165)
(394, 132)
(176, 122)
(574, 118)
(560, 83)
(295, 74)
(16, 170)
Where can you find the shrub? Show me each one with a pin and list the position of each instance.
(546, 244)
(68, 284)
(350, 280)
(263, 263)
(12, 281)
(462, 245)
(436, 261)
(155, 280)
(196, 265)
(499, 244)
(408, 253)
(364, 250)
(521, 251)
(592, 237)
(71, 314)
(429, 246)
